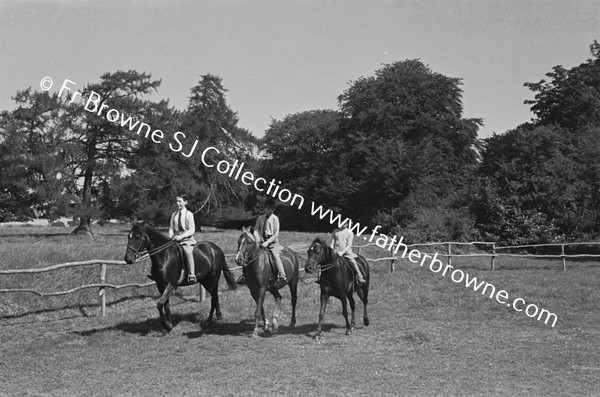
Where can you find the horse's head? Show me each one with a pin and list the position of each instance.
(317, 253)
(247, 243)
(137, 242)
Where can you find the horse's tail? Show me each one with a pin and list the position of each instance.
(228, 276)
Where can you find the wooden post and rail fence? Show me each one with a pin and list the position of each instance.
(102, 285)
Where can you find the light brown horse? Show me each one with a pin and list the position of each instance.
(258, 267)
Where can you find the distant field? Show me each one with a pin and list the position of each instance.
(428, 335)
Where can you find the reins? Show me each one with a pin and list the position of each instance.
(145, 254)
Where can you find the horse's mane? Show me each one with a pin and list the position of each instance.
(328, 249)
(321, 241)
(148, 227)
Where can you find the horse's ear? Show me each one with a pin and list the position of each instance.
(251, 229)
(244, 229)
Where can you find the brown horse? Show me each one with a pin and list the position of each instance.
(168, 271)
(337, 279)
(259, 270)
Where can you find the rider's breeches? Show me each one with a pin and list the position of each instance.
(276, 249)
(189, 254)
(351, 258)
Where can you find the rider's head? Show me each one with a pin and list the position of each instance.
(269, 207)
(181, 200)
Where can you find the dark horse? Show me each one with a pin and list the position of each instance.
(259, 271)
(168, 271)
(337, 279)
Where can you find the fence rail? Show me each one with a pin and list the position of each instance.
(102, 285)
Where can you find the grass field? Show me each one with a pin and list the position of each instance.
(428, 335)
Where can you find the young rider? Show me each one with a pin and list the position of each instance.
(341, 242)
(267, 227)
(182, 229)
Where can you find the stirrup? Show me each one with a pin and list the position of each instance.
(241, 280)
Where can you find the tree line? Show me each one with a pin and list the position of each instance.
(398, 152)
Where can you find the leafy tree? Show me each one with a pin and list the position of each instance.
(159, 173)
(209, 119)
(101, 147)
(541, 181)
(298, 153)
(34, 163)
(404, 142)
(571, 98)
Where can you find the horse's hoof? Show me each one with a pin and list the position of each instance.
(254, 334)
(168, 327)
(348, 331)
(219, 316)
(366, 321)
(292, 324)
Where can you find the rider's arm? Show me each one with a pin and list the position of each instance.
(257, 226)
(171, 233)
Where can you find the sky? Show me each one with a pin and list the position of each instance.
(282, 57)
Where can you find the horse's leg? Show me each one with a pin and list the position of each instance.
(294, 293)
(352, 310)
(324, 299)
(164, 299)
(345, 314)
(260, 312)
(277, 310)
(214, 300)
(217, 305)
(213, 288)
(363, 294)
(161, 290)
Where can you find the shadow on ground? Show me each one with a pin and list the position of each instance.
(242, 328)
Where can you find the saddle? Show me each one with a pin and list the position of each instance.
(271, 257)
(359, 262)
(183, 259)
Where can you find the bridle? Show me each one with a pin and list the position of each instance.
(316, 263)
(145, 254)
(244, 261)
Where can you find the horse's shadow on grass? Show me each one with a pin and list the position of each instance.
(153, 327)
(141, 328)
(245, 328)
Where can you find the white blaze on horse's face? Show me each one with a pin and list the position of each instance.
(238, 256)
(245, 244)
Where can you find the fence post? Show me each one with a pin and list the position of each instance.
(562, 252)
(392, 266)
(202, 293)
(103, 290)
(493, 254)
(449, 254)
